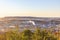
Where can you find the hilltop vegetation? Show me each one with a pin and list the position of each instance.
(27, 34)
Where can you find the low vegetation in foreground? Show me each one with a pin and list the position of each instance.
(27, 34)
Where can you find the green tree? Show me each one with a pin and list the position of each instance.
(27, 35)
(37, 34)
(13, 34)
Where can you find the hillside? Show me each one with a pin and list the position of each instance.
(29, 22)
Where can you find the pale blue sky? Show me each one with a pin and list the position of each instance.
(29, 8)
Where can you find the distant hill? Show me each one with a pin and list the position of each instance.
(29, 21)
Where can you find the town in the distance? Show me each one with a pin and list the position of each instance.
(23, 22)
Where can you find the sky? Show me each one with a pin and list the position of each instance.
(38, 8)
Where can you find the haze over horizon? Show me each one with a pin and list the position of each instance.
(36, 8)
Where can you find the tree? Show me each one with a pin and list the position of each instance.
(27, 35)
(37, 34)
(13, 34)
